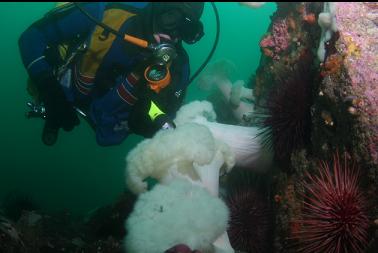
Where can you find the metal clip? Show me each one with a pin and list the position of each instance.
(36, 111)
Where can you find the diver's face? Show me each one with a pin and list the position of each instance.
(169, 24)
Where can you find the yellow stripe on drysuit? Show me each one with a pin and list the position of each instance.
(98, 48)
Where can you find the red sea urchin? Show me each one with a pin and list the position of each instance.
(286, 124)
(334, 215)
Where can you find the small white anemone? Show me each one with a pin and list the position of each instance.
(327, 22)
(217, 77)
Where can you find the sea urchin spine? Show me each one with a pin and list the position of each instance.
(334, 215)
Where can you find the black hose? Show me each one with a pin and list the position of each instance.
(199, 70)
(93, 19)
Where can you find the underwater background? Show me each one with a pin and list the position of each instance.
(76, 174)
(313, 68)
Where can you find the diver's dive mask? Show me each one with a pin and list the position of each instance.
(191, 31)
(178, 22)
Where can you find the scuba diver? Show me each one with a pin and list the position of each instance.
(121, 65)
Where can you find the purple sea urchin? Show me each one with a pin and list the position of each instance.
(181, 248)
(249, 223)
(251, 218)
(286, 125)
(334, 215)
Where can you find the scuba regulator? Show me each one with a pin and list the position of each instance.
(157, 72)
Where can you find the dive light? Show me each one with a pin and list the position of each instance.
(159, 118)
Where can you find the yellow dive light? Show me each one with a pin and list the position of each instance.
(154, 111)
(160, 118)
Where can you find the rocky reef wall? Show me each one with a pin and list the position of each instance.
(343, 102)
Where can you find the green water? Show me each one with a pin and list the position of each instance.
(76, 174)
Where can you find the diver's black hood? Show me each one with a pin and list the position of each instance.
(192, 10)
(178, 19)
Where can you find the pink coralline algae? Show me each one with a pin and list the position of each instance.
(358, 41)
(279, 40)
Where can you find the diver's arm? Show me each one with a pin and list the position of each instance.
(55, 28)
(130, 101)
(110, 112)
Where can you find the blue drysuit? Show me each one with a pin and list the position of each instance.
(109, 92)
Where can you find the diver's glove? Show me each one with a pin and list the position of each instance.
(146, 118)
(163, 121)
(59, 112)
